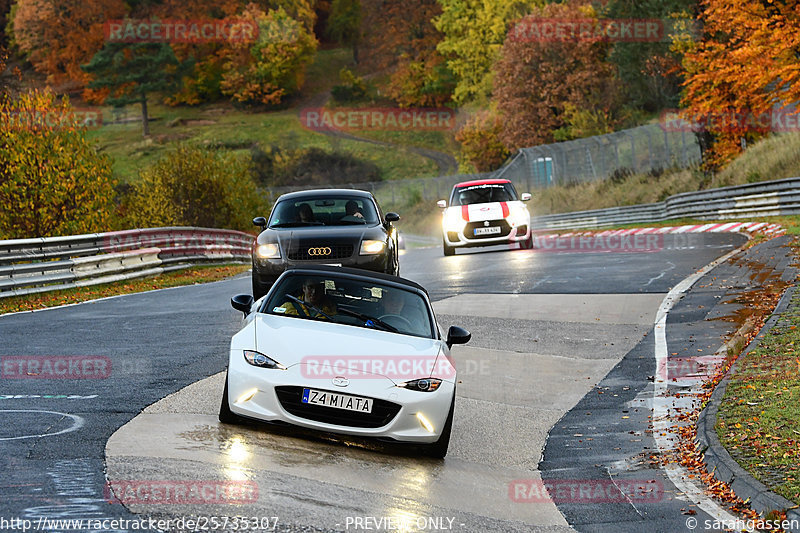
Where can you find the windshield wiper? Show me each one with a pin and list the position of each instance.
(296, 224)
(367, 319)
(310, 306)
(345, 222)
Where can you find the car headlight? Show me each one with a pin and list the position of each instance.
(372, 247)
(519, 216)
(261, 360)
(453, 221)
(422, 385)
(268, 251)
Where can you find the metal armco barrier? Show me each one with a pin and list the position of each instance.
(765, 199)
(29, 266)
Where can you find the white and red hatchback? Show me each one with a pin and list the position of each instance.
(485, 213)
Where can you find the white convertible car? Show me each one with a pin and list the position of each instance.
(344, 351)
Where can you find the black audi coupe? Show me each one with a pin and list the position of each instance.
(341, 227)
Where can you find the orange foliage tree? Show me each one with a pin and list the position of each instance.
(399, 35)
(746, 66)
(540, 85)
(58, 36)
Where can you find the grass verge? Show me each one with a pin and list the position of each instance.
(189, 276)
(757, 420)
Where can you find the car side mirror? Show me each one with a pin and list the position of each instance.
(391, 217)
(261, 222)
(457, 335)
(243, 303)
(442, 203)
(525, 196)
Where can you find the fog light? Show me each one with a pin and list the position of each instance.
(247, 396)
(425, 422)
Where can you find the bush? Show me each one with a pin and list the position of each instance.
(352, 89)
(194, 187)
(480, 141)
(276, 167)
(52, 180)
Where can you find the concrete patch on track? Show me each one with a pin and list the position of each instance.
(507, 402)
(588, 308)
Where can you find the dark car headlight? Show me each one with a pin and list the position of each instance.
(260, 360)
(372, 247)
(268, 251)
(422, 385)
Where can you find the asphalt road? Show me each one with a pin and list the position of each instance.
(542, 369)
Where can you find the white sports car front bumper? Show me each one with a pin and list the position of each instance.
(274, 395)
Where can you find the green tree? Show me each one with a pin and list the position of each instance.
(133, 71)
(344, 24)
(194, 187)
(650, 72)
(474, 32)
(52, 179)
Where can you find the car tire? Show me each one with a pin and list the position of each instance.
(447, 249)
(438, 449)
(226, 416)
(527, 244)
(258, 289)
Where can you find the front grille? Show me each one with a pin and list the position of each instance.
(505, 229)
(382, 411)
(338, 251)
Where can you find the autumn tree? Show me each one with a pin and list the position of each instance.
(190, 186)
(58, 36)
(131, 72)
(52, 179)
(746, 65)
(473, 33)
(537, 80)
(273, 66)
(399, 35)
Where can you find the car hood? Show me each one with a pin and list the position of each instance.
(289, 237)
(296, 341)
(486, 211)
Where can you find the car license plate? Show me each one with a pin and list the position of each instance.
(338, 401)
(487, 231)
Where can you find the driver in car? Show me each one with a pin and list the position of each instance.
(313, 302)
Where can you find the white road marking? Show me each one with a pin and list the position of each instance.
(77, 423)
(662, 403)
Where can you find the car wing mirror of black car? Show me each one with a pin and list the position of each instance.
(391, 217)
(261, 222)
(457, 335)
(243, 303)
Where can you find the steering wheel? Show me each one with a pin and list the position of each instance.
(403, 320)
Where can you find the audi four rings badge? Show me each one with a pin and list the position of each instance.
(324, 250)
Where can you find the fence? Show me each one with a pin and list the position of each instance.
(765, 199)
(29, 266)
(637, 150)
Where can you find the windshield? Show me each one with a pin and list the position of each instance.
(366, 304)
(483, 194)
(324, 211)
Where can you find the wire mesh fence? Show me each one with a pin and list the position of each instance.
(638, 150)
